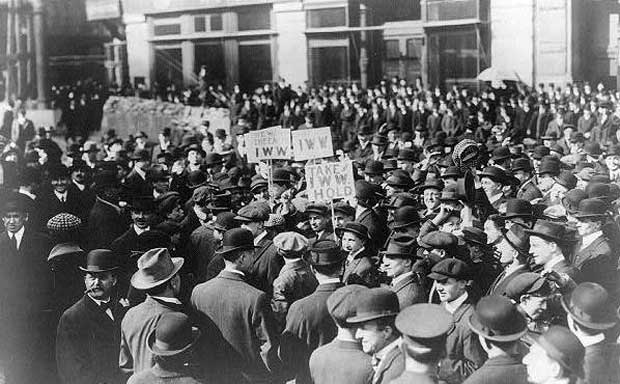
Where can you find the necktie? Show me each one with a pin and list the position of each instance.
(105, 306)
(375, 361)
(13, 242)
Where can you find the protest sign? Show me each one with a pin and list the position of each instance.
(330, 181)
(312, 143)
(269, 143)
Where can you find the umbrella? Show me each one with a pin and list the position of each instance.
(494, 74)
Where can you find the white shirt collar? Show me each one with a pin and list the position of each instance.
(18, 236)
(61, 196)
(330, 280)
(589, 340)
(172, 300)
(140, 172)
(551, 263)
(108, 311)
(495, 197)
(140, 231)
(258, 238)
(453, 305)
(401, 277)
(353, 254)
(589, 239)
(238, 272)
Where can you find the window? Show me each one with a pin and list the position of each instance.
(325, 18)
(200, 24)
(208, 23)
(167, 29)
(253, 18)
(392, 50)
(216, 22)
(254, 65)
(329, 64)
(414, 48)
(437, 10)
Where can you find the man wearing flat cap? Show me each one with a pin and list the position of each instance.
(591, 314)
(158, 276)
(375, 312)
(88, 336)
(424, 328)
(241, 313)
(308, 323)
(295, 280)
(464, 353)
(499, 327)
(266, 263)
(320, 221)
(342, 360)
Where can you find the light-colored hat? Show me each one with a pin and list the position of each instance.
(155, 267)
(290, 242)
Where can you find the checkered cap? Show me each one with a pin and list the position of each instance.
(63, 222)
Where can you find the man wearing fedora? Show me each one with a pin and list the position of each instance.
(136, 182)
(406, 221)
(499, 326)
(367, 196)
(550, 245)
(158, 276)
(375, 312)
(106, 221)
(320, 220)
(591, 315)
(242, 315)
(494, 180)
(342, 360)
(397, 263)
(523, 170)
(463, 351)
(88, 335)
(556, 357)
(424, 328)
(171, 344)
(308, 324)
(513, 250)
(266, 263)
(360, 264)
(373, 172)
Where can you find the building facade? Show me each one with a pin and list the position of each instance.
(442, 42)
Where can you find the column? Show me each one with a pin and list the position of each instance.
(9, 50)
(187, 59)
(363, 48)
(19, 51)
(39, 50)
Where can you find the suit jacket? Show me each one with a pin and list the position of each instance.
(201, 251)
(390, 367)
(410, 290)
(88, 344)
(361, 270)
(266, 266)
(598, 263)
(308, 326)
(158, 375)
(464, 353)
(86, 200)
(139, 321)
(503, 369)
(529, 191)
(294, 282)
(565, 268)
(341, 362)
(47, 205)
(501, 282)
(135, 185)
(243, 317)
(105, 223)
(600, 364)
(377, 228)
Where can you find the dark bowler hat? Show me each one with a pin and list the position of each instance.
(253, 212)
(236, 239)
(528, 283)
(213, 159)
(500, 153)
(326, 252)
(540, 152)
(566, 179)
(406, 216)
(58, 171)
(378, 139)
(403, 247)
(281, 175)
(474, 235)
(496, 318)
(155, 267)
(452, 172)
(549, 231)
(407, 154)
(518, 208)
(599, 190)
(593, 149)
(196, 179)
(140, 155)
(398, 180)
(558, 149)
(450, 268)
(173, 335)
(100, 260)
(341, 303)
(374, 167)
(495, 173)
(522, 165)
(424, 321)
(358, 229)
(143, 204)
(439, 240)
(373, 304)
(319, 209)
(430, 184)
(564, 347)
(590, 306)
(367, 191)
(224, 221)
(401, 199)
(572, 198)
(591, 209)
(549, 165)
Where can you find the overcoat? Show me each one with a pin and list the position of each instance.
(266, 266)
(390, 367)
(503, 369)
(410, 290)
(341, 362)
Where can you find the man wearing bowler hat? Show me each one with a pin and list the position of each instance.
(308, 324)
(342, 360)
(359, 267)
(397, 263)
(158, 276)
(88, 335)
(241, 313)
(171, 343)
(499, 326)
(591, 314)
(375, 312)
(424, 328)
(367, 195)
(463, 351)
(556, 357)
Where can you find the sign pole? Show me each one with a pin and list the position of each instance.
(333, 218)
(270, 183)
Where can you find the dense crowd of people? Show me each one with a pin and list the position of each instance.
(480, 246)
